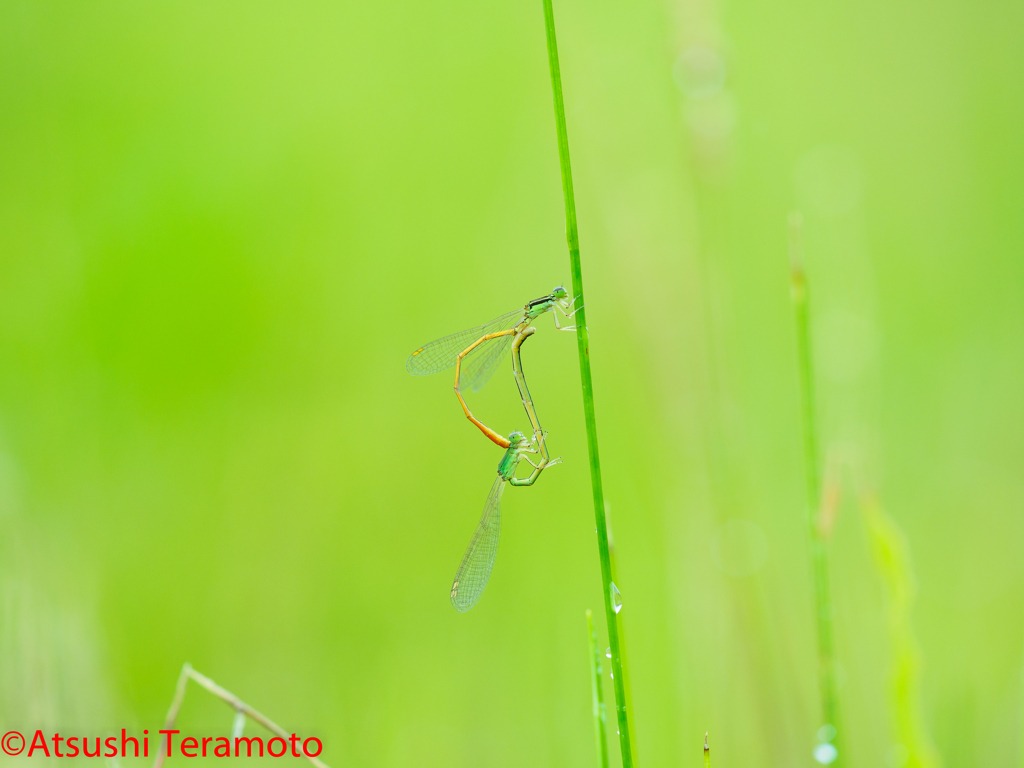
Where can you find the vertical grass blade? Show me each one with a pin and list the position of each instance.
(623, 641)
(583, 347)
(707, 751)
(818, 542)
(892, 561)
(597, 694)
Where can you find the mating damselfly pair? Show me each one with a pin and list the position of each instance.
(476, 354)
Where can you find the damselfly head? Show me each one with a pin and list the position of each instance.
(517, 439)
(560, 293)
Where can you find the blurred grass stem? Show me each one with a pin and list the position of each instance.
(597, 694)
(891, 554)
(583, 346)
(818, 539)
(187, 673)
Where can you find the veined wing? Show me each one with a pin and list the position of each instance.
(478, 561)
(440, 354)
(480, 364)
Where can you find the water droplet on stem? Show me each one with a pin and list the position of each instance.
(616, 598)
(826, 754)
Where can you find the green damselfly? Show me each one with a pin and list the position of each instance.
(477, 352)
(475, 569)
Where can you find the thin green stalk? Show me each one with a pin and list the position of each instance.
(707, 751)
(892, 561)
(597, 694)
(819, 550)
(583, 346)
(623, 642)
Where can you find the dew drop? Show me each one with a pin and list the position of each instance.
(616, 598)
(826, 732)
(608, 652)
(826, 754)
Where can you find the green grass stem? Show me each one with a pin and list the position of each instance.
(707, 751)
(597, 694)
(818, 540)
(586, 381)
(892, 561)
(623, 641)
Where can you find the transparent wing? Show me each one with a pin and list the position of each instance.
(476, 565)
(440, 354)
(480, 364)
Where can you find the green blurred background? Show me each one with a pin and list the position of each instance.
(224, 226)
